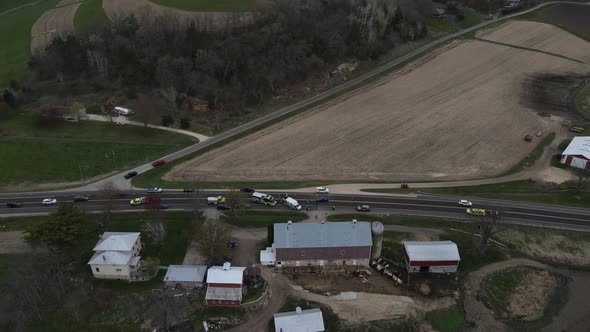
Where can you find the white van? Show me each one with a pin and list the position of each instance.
(292, 203)
(123, 111)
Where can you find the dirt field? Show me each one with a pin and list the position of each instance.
(53, 23)
(572, 17)
(145, 9)
(454, 114)
(530, 296)
(540, 36)
(13, 243)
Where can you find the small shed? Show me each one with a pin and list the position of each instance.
(431, 256)
(267, 256)
(310, 320)
(185, 276)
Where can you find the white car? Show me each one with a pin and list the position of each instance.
(465, 202)
(120, 123)
(49, 201)
(322, 190)
(155, 190)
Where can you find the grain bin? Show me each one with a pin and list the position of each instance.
(377, 232)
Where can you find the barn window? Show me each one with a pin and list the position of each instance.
(118, 270)
(302, 253)
(97, 270)
(342, 252)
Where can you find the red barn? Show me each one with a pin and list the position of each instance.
(323, 243)
(432, 256)
(224, 285)
(577, 153)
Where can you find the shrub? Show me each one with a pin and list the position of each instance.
(185, 123)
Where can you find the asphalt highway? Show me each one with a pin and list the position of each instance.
(440, 206)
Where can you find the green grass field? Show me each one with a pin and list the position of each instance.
(265, 218)
(448, 320)
(471, 19)
(583, 101)
(90, 14)
(208, 5)
(6, 5)
(15, 37)
(33, 152)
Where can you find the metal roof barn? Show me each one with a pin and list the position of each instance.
(431, 256)
(310, 320)
(186, 273)
(322, 235)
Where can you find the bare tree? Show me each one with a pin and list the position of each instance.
(486, 226)
(156, 231)
(148, 110)
(235, 201)
(212, 239)
(107, 109)
(108, 192)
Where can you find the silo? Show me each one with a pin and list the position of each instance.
(377, 232)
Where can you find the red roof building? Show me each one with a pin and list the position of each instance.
(577, 153)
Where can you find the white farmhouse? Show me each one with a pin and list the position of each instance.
(116, 255)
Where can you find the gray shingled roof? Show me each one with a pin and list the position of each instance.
(319, 235)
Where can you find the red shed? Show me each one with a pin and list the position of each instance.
(224, 285)
(431, 256)
(577, 153)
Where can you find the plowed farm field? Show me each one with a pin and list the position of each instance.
(145, 9)
(54, 23)
(542, 37)
(453, 114)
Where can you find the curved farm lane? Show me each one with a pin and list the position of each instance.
(54, 23)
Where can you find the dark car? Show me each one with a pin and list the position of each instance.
(322, 199)
(248, 190)
(130, 175)
(159, 162)
(232, 244)
(188, 190)
(222, 207)
(164, 206)
(13, 204)
(81, 198)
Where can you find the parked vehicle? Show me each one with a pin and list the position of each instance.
(232, 244)
(322, 190)
(13, 204)
(465, 202)
(292, 203)
(363, 208)
(81, 198)
(248, 189)
(476, 212)
(155, 190)
(49, 201)
(163, 206)
(119, 123)
(130, 175)
(263, 199)
(158, 162)
(322, 199)
(138, 201)
(188, 190)
(123, 111)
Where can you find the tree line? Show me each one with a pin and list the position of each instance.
(233, 67)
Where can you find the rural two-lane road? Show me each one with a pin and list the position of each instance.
(436, 206)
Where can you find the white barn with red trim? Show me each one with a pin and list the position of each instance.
(431, 256)
(225, 285)
(577, 153)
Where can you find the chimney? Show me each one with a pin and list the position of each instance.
(354, 221)
(289, 222)
(298, 310)
(226, 266)
(322, 221)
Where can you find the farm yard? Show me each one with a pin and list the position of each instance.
(453, 114)
(541, 37)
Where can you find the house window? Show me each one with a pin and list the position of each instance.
(118, 270)
(97, 270)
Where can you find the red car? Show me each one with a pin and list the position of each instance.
(158, 162)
